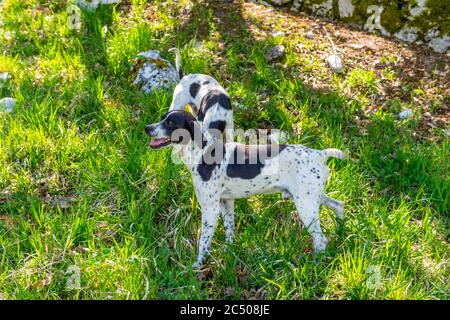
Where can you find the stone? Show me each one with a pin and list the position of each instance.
(279, 2)
(278, 136)
(322, 9)
(4, 76)
(356, 46)
(440, 44)
(407, 21)
(431, 34)
(276, 52)
(88, 5)
(239, 106)
(405, 114)
(335, 63)
(92, 5)
(310, 35)
(156, 73)
(417, 10)
(277, 34)
(346, 8)
(7, 105)
(407, 34)
(446, 132)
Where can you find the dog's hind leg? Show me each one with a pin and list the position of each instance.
(335, 205)
(227, 210)
(308, 210)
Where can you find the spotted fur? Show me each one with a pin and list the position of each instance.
(209, 101)
(220, 175)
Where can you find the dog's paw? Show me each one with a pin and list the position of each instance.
(197, 265)
(320, 244)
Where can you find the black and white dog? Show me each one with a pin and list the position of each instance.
(208, 100)
(224, 172)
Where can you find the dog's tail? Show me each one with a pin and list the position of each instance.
(335, 153)
(178, 62)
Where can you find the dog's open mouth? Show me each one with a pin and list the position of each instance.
(159, 143)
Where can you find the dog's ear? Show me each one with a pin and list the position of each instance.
(190, 125)
(195, 130)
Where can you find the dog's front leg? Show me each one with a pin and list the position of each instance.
(210, 215)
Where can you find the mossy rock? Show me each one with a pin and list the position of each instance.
(408, 20)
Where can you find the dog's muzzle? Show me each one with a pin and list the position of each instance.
(157, 142)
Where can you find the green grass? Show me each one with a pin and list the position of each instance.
(81, 193)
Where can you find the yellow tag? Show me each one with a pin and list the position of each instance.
(187, 108)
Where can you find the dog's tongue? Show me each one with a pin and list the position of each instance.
(157, 142)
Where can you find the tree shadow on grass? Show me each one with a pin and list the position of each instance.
(235, 29)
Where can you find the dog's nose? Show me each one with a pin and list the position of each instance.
(149, 129)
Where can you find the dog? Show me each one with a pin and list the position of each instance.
(222, 173)
(210, 103)
(208, 100)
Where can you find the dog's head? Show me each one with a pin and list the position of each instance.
(176, 127)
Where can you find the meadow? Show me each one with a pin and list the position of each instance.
(88, 211)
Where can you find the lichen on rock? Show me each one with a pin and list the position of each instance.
(440, 44)
(7, 105)
(407, 34)
(346, 8)
(408, 20)
(155, 72)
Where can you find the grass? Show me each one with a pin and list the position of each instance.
(87, 211)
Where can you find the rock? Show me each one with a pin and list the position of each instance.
(294, 8)
(322, 9)
(440, 44)
(335, 63)
(92, 5)
(277, 34)
(278, 136)
(279, 2)
(431, 34)
(275, 53)
(405, 114)
(416, 11)
(198, 45)
(408, 21)
(310, 35)
(156, 73)
(264, 3)
(346, 8)
(4, 76)
(356, 46)
(446, 132)
(408, 34)
(187, 9)
(239, 106)
(88, 5)
(7, 105)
